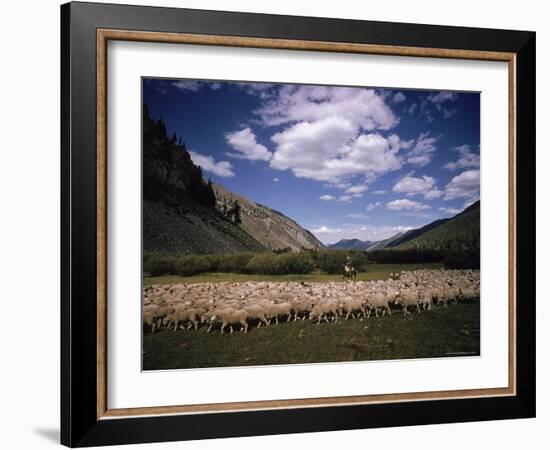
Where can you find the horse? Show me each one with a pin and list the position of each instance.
(349, 273)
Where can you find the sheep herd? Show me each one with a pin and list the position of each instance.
(228, 305)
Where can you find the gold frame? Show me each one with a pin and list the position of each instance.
(103, 36)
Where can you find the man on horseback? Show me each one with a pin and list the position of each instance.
(349, 271)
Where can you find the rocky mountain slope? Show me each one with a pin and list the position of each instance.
(182, 213)
(179, 213)
(271, 228)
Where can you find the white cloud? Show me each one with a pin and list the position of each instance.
(465, 185)
(187, 85)
(466, 158)
(276, 180)
(423, 150)
(372, 206)
(345, 198)
(195, 85)
(328, 234)
(244, 141)
(449, 210)
(325, 229)
(412, 185)
(208, 164)
(424, 185)
(380, 192)
(434, 193)
(328, 150)
(398, 97)
(359, 189)
(406, 204)
(363, 108)
(442, 97)
(327, 197)
(412, 108)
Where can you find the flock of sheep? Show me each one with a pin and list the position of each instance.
(226, 305)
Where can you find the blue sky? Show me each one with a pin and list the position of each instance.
(343, 162)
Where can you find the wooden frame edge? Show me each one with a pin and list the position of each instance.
(103, 36)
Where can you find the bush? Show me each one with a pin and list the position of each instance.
(282, 264)
(406, 256)
(236, 262)
(157, 265)
(332, 261)
(462, 260)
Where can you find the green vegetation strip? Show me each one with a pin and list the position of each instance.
(441, 332)
(372, 272)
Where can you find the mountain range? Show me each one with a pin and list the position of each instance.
(183, 213)
(460, 232)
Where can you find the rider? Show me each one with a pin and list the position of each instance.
(348, 265)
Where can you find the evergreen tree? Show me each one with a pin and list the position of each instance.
(235, 212)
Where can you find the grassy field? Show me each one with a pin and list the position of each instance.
(441, 332)
(373, 272)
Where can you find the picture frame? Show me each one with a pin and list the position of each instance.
(86, 418)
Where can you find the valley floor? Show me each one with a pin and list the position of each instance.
(373, 272)
(440, 332)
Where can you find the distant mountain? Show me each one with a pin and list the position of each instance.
(462, 232)
(271, 228)
(351, 244)
(379, 245)
(411, 234)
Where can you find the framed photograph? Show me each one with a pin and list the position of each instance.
(276, 224)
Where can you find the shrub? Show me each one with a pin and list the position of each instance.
(157, 265)
(332, 261)
(236, 262)
(462, 260)
(286, 263)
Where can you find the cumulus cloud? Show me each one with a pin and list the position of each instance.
(423, 150)
(372, 206)
(325, 229)
(187, 85)
(432, 194)
(380, 192)
(363, 108)
(406, 204)
(398, 97)
(244, 141)
(449, 210)
(345, 198)
(327, 197)
(276, 180)
(327, 150)
(465, 185)
(209, 164)
(359, 189)
(413, 185)
(195, 85)
(440, 99)
(424, 185)
(466, 158)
